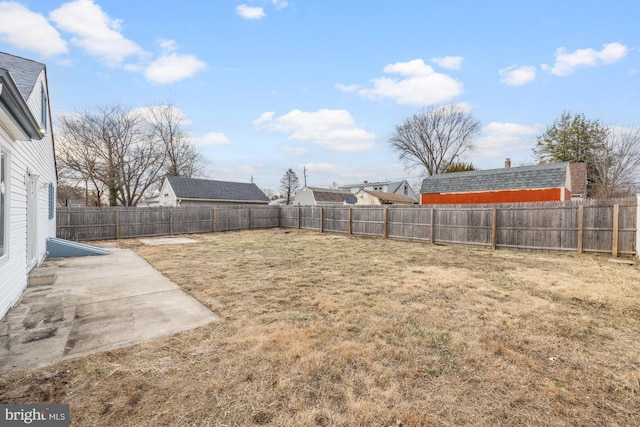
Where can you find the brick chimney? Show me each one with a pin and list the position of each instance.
(366, 182)
(507, 163)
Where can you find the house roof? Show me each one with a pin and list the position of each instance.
(391, 184)
(191, 188)
(329, 195)
(25, 72)
(552, 175)
(18, 76)
(578, 178)
(390, 197)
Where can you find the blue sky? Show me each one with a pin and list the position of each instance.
(267, 85)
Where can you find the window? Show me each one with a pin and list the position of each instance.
(43, 108)
(406, 190)
(4, 215)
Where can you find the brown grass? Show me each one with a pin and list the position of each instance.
(331, 330)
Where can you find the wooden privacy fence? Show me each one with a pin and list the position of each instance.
(583, 226)
(119, 223)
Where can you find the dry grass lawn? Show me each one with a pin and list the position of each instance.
(333, 330)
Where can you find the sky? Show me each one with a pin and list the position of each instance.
(319, 85)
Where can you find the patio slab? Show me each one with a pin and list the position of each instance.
(92, 304)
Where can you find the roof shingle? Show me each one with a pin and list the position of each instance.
(552, 175)
(391, 197)
(24, 72)
(190, 188)
(328, 195)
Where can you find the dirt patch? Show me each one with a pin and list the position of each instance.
(321, 329)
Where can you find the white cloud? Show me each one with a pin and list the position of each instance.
(517, 76)
(95, 32)
(506, 139)
(347, 88)
(167, 45)
(566, 63)
(211, 139)
(171, 67)
(264, 117)
(279, 4)
(421, 85)
(334, 129)
(28, 30)
(450, 62)
(238, 173)
(249, 12)
(299, 151)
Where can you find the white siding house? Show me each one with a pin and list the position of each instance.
(27, 174)
(178, 191)
(367, 197)
(396, 187)
(314, 196)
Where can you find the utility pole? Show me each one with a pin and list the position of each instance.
(304, 172)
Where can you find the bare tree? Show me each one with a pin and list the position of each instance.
(435, 138)
(617, 164)
(111, 147)
(168, 125)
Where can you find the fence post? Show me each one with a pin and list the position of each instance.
(117, 225)
(170, 221)
(279, 215)
(321, 219)
(433, 225)
(351, 216)
(384, 220)
(580, 228)
(298, 217)
(494, 229)
(213, 220)
(614, 237)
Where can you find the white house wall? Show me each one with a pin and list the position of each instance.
(364, 198)
(34, 157)
(167, 196)
(305, 197)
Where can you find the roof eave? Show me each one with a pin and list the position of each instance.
(17, 107)
(221, 200)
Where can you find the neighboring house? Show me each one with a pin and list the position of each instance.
(578, 180)
(152, 202)
(366, 197)
(313, 196)
(539, 183)
(178, 191)
(27, 174)
(396, 187)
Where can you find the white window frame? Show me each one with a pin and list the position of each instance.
(43, 107)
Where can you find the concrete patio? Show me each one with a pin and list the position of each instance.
(81, 305)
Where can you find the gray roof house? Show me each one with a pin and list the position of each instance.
(28, 178)
(367, 197)
(538, 183)
(396, 187)
(314, 196)
(178, 191)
